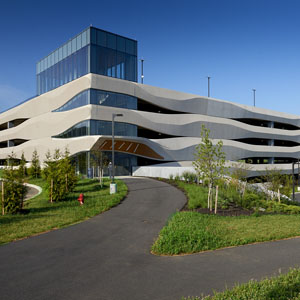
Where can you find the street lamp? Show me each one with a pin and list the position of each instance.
(208, 86)
(113, 143)
(293, 174)
(142, 70)
(254, 90)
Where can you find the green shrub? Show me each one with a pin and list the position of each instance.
(250, 200)
(177, 177)
(171, 176)
(189, 176)
(275, 207)
(283, 287)
(14, 188)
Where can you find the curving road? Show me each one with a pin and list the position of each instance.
(107, 257)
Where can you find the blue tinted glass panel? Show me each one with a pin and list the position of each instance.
(101, 38)
(98, 97)
(80, 129)
(74, 45)
(83, 39)
(98, 127)
(56, 56)
(69, 46)
(88, 34)
(93, 36)
(81, 99)
(64, 51)
(111, 41)
(64, 71)
(130, 47)
(112, 99)
(60, 53)
(114, 56)
(121, 44)
(113, 63)
(78, 42)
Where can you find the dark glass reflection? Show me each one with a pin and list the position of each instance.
(98, 127)
(70, 68)
(98, 97)
(92, 51)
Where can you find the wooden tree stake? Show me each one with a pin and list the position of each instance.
(211, 199)
(2, 198)
(216, 200)
(51, 191)
(278, 194)
(208, 197)
(244, 188)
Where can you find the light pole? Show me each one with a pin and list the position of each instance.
(293, 171)
(208, 86)
(113, 144)
(254, 90)
(142, 71)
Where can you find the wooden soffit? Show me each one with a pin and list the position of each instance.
(135, 148)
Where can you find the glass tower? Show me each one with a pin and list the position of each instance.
(92, 51)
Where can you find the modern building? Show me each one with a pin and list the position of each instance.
(84, 82)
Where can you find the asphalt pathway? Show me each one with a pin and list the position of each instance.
(107, 257)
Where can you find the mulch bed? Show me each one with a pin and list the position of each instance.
(232, 211)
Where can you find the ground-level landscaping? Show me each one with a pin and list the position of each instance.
(283, 287)
(190, 232)
(194, 230)
(39, 215)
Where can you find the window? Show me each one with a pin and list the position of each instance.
(98, 127)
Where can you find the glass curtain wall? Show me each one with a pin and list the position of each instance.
(92, 51)
(98, 97)
(86, 166)
(98, 127)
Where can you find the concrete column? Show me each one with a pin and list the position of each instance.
(271, 142)
(10, 124)
(10, 143)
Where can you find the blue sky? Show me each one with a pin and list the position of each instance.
(241, 44)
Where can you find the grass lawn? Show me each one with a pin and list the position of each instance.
(283, 287)
(191, 232)
(40, 215)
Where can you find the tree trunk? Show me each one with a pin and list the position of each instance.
(211, 199)
(278, 194)
(216, 200)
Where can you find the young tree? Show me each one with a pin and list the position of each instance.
(278, 182)
(69, 178)
(59, 174)
(35, 168)
(52, 176)
(22, 166)
(14, 189)
(99, 160)
(239, 174)
(209, 161)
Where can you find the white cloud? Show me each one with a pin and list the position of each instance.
(10, 96)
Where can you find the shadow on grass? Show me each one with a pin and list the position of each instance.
(82, 183)
(7, 219)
